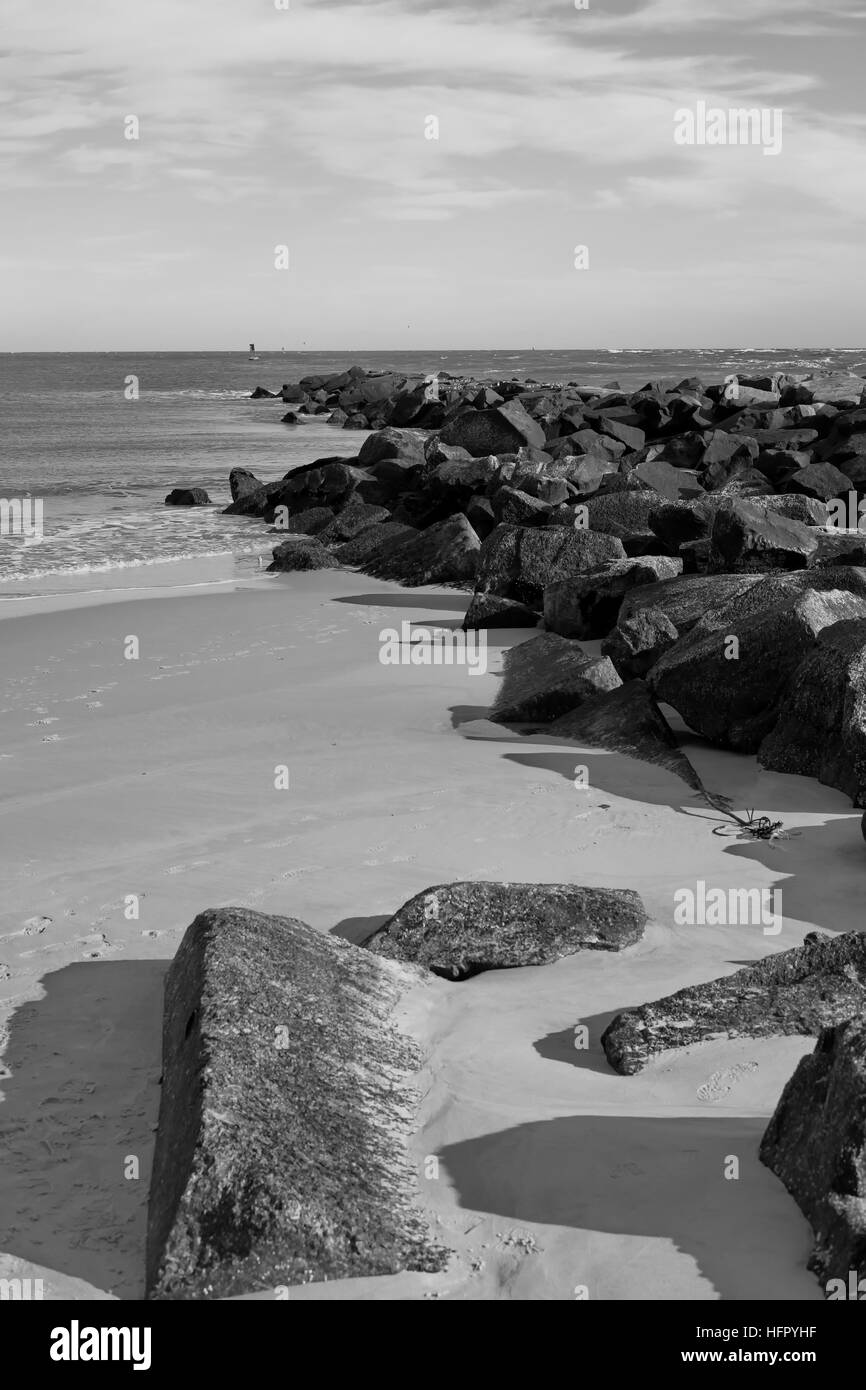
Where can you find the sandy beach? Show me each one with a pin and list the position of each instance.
(148, 786)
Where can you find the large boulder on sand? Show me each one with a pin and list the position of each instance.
(519, 562)
(446, 553)
(460, 929)
(795, 992)
(728, 681)
(500, 431)
(302, 552)
(816, 1144)
(821, 728)
(373, 543)
(587, 605)
(547, 676)
(285, 1115)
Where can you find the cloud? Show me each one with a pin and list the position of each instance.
(260, 125)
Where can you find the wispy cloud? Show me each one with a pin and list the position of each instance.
(310, 125)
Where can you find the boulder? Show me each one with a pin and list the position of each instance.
(446, 553)
(637, 643)
(373, 543)
(519, 562)
(326, 483)
(821, 480)
(286, 1114)
(516, 508)
(371, 390)
(729, 683)
(392, 444)
(261, 393)
(816, 1145)
(746, 537)
(545, 677)
(797, 507)
(676, 523)
(623, 514)
(839, 548)
(354, 519)
(839, 388)
(499, 431)
(587, 605)
(586, 472)
(667, 481)
(187, 497)
(821, 728)
(308, 523)
(792, 993)
(458, 930)
(685, 600)
(291, 393)
(487, 610)
(297, 555)
(242, 483)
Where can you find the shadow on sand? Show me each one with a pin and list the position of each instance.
(81, 1101)
(457, 602)
(559, 1047)
(648, 1177)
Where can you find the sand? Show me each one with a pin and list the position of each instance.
(550, 1176)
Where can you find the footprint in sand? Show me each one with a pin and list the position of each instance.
(151, 933)
(721, 1083)
(34, 925)
(51, 738)
(34, 724)
(98, 946)
(93, 704)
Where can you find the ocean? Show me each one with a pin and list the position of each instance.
(102, 464)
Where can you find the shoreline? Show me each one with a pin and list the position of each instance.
(354, 839)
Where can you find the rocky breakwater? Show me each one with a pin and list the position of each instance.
(692, 528)
(695, 478)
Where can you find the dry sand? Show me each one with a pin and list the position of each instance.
(155, 778)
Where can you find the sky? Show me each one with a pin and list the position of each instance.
(304, 124)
